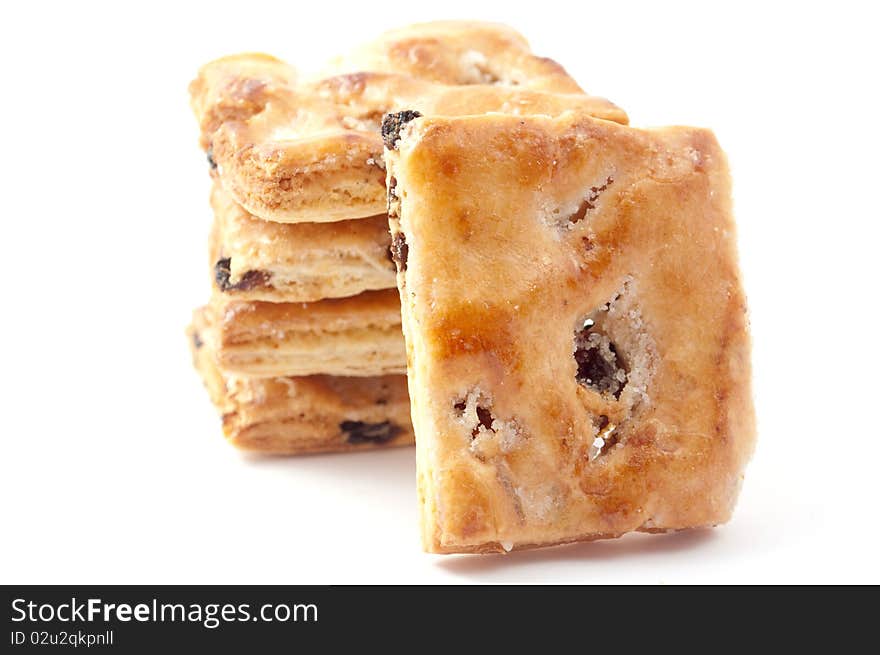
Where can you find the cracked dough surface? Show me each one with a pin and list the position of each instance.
(576, 329)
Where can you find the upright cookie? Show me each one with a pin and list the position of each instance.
(295, 415)
(576, 328)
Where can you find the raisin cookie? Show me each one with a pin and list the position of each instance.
(356, 336)
(253, 259)
(296, 415)
(576, 329)
(460, 53)
(293, 150)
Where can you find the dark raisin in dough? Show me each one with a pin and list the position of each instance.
(250, 280)
(222, 271)
(393, 123)
(358, 432)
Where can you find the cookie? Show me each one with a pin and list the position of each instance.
(579, 358)
(253, 259)
(460, 53)
(293, 150)
(296, 415)
(356, 336)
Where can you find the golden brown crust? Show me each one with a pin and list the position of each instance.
(236, 87)
(253, 259)
(536, 426)
(311, 151)
(297, 415)
(460, 53)
(356, 336)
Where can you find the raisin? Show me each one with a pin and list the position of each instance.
(358, 432)
(210, 154)
(596, 371)
(598, 367)
(399, 250)
(251, 280)
(222, 272)
(197, 341)
(393, 123)
(248, 281)
(485, 418)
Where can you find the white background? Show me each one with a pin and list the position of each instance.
(113, 468)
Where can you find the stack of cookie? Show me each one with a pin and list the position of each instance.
(301, 345)
(576, 341)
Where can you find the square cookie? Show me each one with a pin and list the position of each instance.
(253, 259)
(295, 150)
(355, 336)
(576, 330)
(292, 415)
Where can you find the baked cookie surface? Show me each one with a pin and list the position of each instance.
(356, 336)
(576, 329)
(460, 53)
(294, 150)
(253, 259)
(297, 415)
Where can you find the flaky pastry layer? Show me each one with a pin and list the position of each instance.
(253, 259)
(297, 415)
(356, 336)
